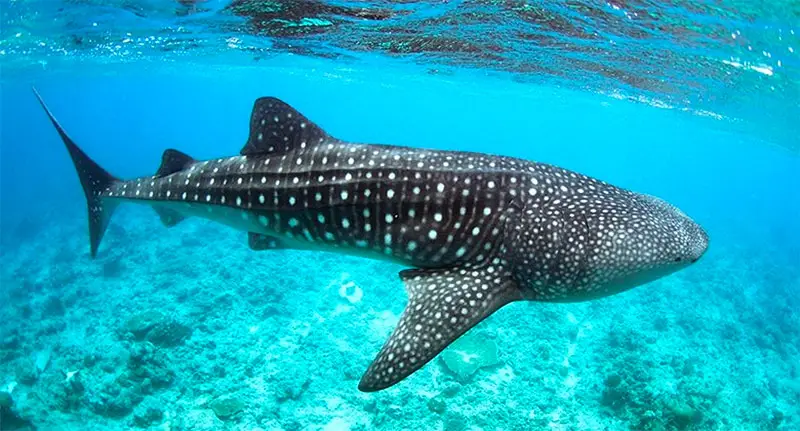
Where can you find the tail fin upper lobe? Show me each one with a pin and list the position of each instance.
(94, 180)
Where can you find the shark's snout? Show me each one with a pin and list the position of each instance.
(699, 241)
(684, 239)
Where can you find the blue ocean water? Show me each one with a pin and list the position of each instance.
(186, 328)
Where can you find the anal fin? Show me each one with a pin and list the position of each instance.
(258, 242)
(169, 217)
(443, 304)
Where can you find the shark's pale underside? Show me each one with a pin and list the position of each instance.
(479, 231)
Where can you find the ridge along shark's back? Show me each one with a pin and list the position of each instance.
(480, 231)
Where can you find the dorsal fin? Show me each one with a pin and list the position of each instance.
(276, 127)
(173, 161)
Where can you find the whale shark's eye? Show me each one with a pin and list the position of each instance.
(677, 259)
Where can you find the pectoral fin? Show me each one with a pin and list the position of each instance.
(443, 304)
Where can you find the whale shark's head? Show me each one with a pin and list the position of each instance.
(651, 240)
(682, 240)
(599, 245)
(646, 240)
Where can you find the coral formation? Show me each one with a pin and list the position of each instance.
(227, 408)
(468, 354)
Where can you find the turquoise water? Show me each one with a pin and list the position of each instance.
(187, 328)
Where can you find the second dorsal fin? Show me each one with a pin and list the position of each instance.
(276, 127)
(173, 161)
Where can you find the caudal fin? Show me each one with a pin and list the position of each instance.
(94, 179)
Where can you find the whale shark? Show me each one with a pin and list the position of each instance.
(476, 231)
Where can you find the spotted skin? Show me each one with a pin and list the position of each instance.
(480, 231)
